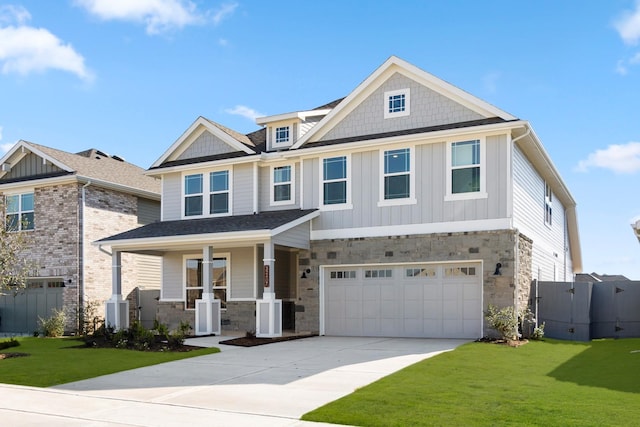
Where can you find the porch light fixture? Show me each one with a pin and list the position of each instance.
(305, 272)
(498, 272)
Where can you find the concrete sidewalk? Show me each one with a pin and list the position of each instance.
(269, 385)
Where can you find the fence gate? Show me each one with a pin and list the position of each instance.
(564, 308)
(19, 314)
(617, 314)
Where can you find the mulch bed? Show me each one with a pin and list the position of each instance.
(510, 343)
(253, 341)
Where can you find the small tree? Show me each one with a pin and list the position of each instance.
(504, 321)
(14, 265)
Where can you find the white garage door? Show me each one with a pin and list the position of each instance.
(422, 300)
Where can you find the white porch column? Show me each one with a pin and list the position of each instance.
(116, 308)
(208, 307)
(268, 309)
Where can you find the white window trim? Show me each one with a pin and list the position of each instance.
(482, 194)
(548, 204)
(407, 103)
(226, 255)
(340, 206)
(285, 141)
(292, 183)
(206, 193)
(271, 135)
(411, 200)
(20, 211)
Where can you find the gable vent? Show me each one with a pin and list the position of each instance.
(6, 167)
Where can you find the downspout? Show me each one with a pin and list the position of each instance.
(81, 275)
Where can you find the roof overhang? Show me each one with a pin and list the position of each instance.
(301, 115)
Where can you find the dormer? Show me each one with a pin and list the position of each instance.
(284, 130)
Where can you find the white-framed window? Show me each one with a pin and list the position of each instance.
(548, 204)
(466, 170)
(219, 192)
(397, 103)
(397, 186)
(215, 184)
(459, 271)
(425, 271)
(282, 185)
(20, 214)
(193, 285)
(282, 135)
(335, 189)
(378, 274)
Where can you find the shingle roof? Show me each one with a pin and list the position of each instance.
(97, 165)
(261, 221)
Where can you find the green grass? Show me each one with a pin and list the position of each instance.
(54, 361)
(542, 383)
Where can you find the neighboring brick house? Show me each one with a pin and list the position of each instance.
(403, 209)
(66, 201)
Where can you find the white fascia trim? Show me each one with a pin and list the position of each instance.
(294, 223)
(205, 165)
(119, 187)
(415, 139)
(410, 229)
(302, 115)
(201, 121)
(165, 242)
(43, 155)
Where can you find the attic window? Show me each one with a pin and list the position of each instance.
(282, 135)
(397, 103)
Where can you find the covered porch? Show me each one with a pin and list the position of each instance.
(237, 273)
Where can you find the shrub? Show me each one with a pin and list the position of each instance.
(8, 344)
(538, 332)
(53, 326)
(504, 321)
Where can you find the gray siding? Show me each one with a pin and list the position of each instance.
(430, 183)
(148, 211)
(549, 261)
(171, 196)
(172, 280)
(243, 280)
(307, 124)
(31, 165)
(296, 237)
(206, 144)
(149, 271)
(242, 189)
(428, 108)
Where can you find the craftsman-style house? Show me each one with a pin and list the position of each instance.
(403, 209)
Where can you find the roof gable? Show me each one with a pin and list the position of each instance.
(221, 140)
(398, 74)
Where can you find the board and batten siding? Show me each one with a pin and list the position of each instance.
(549, 261)
(431, 188)
(172, 280)
(207, 144)
(31, 165)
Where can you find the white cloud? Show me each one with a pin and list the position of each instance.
(621, 159)
(224, 11)
(241, 110)
(628, 25)
(158, 15)
(621, 68)
(25, 49)
(223, 42)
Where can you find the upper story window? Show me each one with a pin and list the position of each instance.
(217, 187)
(282, 135)
(466, 170)
(397, 186)
(397, 103)
(335, 185)
(20, 212)
(548, 202)
(219, 192)
(282, 185)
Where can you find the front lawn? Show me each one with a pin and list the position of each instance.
(53, 361)
(549, 383)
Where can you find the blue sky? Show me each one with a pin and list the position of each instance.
(128, 77)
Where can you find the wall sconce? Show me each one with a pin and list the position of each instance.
(305, 272)
(498, 272)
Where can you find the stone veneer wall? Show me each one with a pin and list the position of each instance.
(525, 273)
(171, 313)
(491, 247)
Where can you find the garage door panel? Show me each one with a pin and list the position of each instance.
(403, 301)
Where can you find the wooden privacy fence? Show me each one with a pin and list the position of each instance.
(583, 311)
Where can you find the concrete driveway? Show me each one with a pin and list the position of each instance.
(268, 385)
